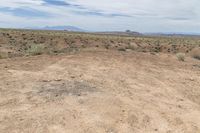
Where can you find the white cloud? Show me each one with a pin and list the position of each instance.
(145, 15)
(19, 3)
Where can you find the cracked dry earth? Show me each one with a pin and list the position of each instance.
(100, 92)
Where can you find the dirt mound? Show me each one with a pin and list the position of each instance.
(195, 53)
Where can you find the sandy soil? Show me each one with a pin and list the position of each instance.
(100, 92)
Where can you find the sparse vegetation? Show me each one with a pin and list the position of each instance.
(107, 46)
(122, 49)
(132, 47)
(35, 49)
(18, 41)
(68, 85)
(180, 56)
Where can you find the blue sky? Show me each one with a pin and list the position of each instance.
(104, 15)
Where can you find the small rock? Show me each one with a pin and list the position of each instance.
(73, 77)
(58, 80)
(46, 80)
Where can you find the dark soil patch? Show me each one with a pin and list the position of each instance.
(60, 89)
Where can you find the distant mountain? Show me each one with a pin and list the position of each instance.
(126, 33)
(66, 28)
(172, 34)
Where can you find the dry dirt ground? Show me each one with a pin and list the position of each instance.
(100, 92)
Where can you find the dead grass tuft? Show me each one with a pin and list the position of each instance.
(180, 56)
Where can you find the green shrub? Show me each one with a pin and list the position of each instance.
(180, 56)
(35, 50)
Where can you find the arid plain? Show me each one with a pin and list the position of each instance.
(89, 83)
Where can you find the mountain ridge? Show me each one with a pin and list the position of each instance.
(59, 28)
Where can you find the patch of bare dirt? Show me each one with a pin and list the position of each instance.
(101, 91)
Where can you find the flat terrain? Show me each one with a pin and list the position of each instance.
(64, 82)
(101, 91)
(17, 43)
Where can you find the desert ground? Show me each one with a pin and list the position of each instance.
(82, 83)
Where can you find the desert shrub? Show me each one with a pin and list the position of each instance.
(107, 46)
(121, 49)
(180, 56)
(35, 49)
(132, 46)
(83, 46)
(195, 53)
(3, 55)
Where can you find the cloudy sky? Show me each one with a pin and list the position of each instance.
(104, 15)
